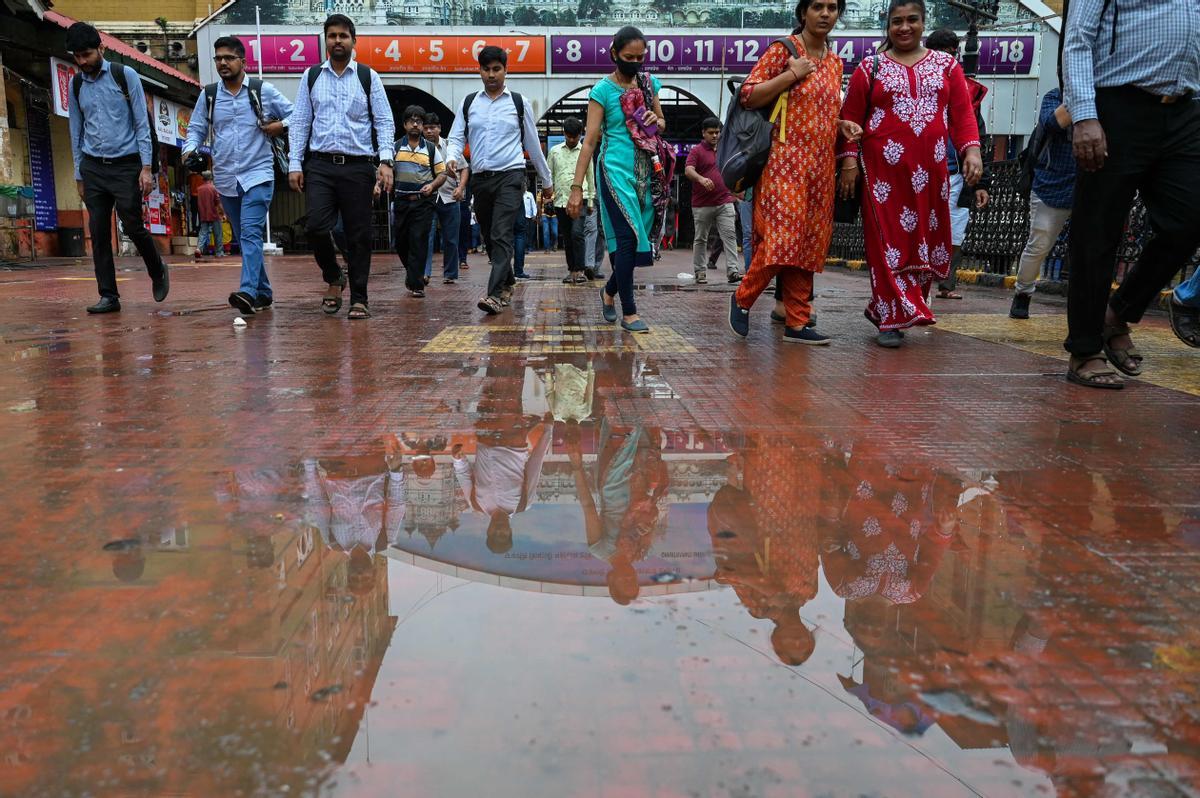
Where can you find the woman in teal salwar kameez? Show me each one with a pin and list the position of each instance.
(623, 177)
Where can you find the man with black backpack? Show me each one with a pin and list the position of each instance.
(500, 129)
(1051, 194)
(341, 135)
(114, 160)
(243, 120)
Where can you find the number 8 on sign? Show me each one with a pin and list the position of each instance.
(574, 50)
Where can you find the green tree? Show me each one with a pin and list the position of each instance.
(592, 9)
(524, 15)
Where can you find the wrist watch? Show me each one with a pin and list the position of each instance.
(388, 162)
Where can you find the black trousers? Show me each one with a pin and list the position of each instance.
(347, 189)
(106, 186)
(413, 220)
(1153, 149)
(499, 200)
(573, 238)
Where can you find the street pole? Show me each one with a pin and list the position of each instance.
(974, 11)
(269, 247)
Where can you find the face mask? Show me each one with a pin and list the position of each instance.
(628, 68)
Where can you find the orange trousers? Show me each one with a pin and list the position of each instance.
(796, 285)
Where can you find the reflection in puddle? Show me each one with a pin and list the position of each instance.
(565, 595)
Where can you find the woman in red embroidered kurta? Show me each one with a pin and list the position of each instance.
(907, 99)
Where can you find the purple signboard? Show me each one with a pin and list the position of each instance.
(283, 53)
(699, 53)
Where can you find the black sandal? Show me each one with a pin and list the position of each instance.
(359, 310)
(1129, 360)
(1185, 322)
(1093, 378)
(332, 304)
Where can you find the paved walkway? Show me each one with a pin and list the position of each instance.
(244, 558)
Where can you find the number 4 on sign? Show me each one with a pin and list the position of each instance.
(393, 50)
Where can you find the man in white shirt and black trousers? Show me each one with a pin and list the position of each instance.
(499, 126)
(341, 122)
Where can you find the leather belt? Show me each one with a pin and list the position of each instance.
(120, 159)
(339, 158)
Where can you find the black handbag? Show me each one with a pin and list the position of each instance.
(845, 211)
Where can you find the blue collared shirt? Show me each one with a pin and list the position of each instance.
(241, 153)
(336, 116)
(103, 129)
(498, 144)
(1054, 173)
(1156, 47)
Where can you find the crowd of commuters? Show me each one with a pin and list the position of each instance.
(903, 143)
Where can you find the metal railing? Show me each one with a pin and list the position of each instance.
(996, 235)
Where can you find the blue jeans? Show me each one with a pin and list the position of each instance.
(1188, 293)
(211, 232)
(448, 222)
(745, 214)
(549, 232)
(247, 214)
(520, 227)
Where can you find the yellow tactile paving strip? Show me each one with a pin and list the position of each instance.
(554, 338)
(1169, 363)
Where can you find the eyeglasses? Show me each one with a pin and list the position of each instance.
(222, 58)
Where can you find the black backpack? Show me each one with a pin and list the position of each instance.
(518, 101)
(364, 79)
(279, 145)
(118, 74)
(746, 137)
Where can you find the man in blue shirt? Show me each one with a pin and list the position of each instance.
(243, 161)
(1050, 198)
(341, 158)
(1131, 74)
(110, 137)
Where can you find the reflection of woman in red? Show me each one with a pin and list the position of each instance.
(764, 541)
(631, 484)
(893, 527)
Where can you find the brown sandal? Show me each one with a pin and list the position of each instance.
(1094, 377)
(331, 303)
(1128, 360)
(948, 294)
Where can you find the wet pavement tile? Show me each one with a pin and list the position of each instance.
(436, 554)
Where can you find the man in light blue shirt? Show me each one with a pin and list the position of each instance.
(243, 159)
(110, 139)
(341, 123)
(1131, 73)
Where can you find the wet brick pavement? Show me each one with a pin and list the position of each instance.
(258, 561)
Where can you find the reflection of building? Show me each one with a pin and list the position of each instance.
(221, 643)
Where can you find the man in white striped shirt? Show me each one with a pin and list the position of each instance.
(341, 122)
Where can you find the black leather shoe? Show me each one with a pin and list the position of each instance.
(242, 302)
(162, 286)
(107, 304)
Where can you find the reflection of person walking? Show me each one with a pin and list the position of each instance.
(341, 121)
(419, 174)
(110, 137)
(712, 204)
(1136, 127)
(499, 127)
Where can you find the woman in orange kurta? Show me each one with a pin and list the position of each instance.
(793, 199)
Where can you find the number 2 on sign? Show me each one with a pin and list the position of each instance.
(297, 49)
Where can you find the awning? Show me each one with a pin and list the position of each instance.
(128, 51)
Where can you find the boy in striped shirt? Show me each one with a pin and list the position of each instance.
(419, 173)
